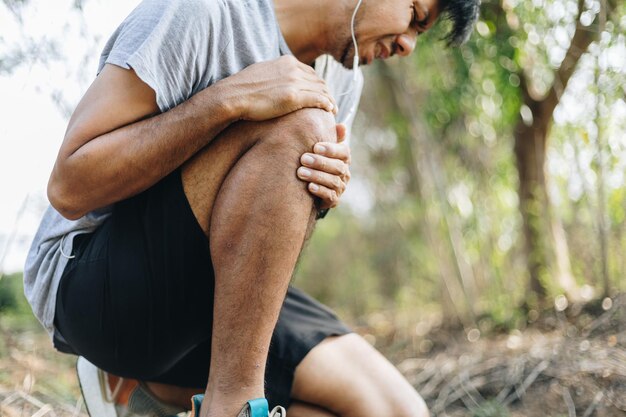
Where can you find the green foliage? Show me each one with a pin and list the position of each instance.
(434, 149)
(15, 312)
(12, 300)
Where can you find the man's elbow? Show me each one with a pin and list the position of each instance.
(64, 199)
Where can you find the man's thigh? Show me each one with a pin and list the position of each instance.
(350, 378)
(138, 294)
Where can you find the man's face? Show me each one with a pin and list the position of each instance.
(386, 27)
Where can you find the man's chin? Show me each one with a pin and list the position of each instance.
(348, 63)
(346, 59)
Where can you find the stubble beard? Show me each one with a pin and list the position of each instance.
(345, 55)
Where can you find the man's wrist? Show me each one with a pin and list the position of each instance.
(229, 101)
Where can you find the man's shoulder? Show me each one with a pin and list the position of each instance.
(183, 11)
(230, 8)
(195, 9)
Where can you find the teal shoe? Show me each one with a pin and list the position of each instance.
(253, 408)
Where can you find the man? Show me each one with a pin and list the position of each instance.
(178, 214)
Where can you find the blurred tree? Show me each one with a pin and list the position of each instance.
(26, 50)
(545, 241)
(449, 132)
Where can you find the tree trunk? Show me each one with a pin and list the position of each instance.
(545, 242)
(530, 154)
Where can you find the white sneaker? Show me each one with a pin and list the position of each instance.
(106, 395)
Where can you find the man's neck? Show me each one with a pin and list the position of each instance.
(308, 25)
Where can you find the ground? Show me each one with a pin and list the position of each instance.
(569, 363)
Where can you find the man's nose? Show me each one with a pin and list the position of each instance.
(405, 44)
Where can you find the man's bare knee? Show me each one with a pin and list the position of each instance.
(282, 140)
(301, 130)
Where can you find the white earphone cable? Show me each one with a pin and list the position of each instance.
(355, 59)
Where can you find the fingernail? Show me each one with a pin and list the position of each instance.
(320, 148)
(314, 187)
(304, 172)
(308, 160)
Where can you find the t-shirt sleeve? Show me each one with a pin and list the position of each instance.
(169, 44)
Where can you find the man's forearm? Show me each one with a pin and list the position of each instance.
(130, 159)
(112, 151)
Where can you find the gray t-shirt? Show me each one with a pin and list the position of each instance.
(178, 48)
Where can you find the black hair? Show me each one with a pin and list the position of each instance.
(463, 15)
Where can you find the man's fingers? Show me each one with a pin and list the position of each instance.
(341, 132)
(333, 150)
(306, 68)
(322, 163)
(314, 100)
(329, 198)
(315, 83)
(333, 182)
(306, 92)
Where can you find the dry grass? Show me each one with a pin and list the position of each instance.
(34, 379)
(560, 367)
(570, 370)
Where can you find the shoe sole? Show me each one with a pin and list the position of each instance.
(89, 383)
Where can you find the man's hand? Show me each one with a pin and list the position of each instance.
(271, 89)
(327, 169)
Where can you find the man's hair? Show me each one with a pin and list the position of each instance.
(462, 14)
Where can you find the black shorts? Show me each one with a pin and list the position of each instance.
(137, 299)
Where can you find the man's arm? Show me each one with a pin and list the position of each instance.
(113, 149)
